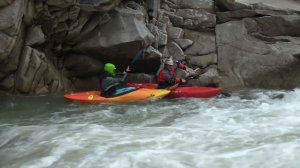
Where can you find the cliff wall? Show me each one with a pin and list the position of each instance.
(49, 46)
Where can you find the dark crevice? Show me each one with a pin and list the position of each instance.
(269, 39)
(297, 56)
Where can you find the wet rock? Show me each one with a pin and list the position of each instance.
(204, 43)
(285, 25)
(97, 6)
(224, 95)
(184, 43)
(35, 36)
(231, 5)
(197, 19)
(6, 45)
(152, 53)
(5, 3)
(140, 78)
(35, 72)
(76, 30)
(85, 84)
(31, 69)
(175, 32)
(153, 7)
(169, 5)
(166, 7)
(29, 13)
(208, 78)
(7, 83)
(203, 61)
(196, 4)
(11, 17)
(82, 66)
(181, 73)
(247, 61)
(10, 55)
(243, 13)
(61, 3)
(87, 24)
(162, 26)
(278, 96)
(175, 51)
(121, 36)
(175, 19)
(162, 38)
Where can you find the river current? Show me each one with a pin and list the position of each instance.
(249, 129)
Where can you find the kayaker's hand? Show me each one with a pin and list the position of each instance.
(128, 69)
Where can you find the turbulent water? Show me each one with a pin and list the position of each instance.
(250, 129)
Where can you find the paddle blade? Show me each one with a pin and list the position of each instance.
(136, 56)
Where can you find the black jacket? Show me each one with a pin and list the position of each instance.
(109, 84)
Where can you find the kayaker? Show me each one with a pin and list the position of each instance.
(166, 77)
(109, 82)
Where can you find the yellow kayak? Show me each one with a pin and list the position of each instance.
(137, 95)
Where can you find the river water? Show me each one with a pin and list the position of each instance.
(250, 129)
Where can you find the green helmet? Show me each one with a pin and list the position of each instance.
(110, 68)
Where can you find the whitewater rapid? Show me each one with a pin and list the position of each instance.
(250, 129)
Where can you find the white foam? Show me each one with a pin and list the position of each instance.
(245, 130)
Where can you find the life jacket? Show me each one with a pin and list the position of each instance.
(109, 85)
(167, 77)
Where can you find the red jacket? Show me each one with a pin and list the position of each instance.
(166, 74)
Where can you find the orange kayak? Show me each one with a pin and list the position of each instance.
(137, 95)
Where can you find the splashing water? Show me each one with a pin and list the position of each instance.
(254, 128)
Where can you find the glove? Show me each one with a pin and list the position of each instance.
(182, 81)
(128, 69)
(181, 65)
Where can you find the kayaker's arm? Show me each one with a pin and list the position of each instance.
(124, 76)
(180, 65)
(125, 73)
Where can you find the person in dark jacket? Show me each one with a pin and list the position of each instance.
(166, 76)
(109, 83)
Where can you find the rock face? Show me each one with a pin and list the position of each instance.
(51, 46)
(36, 75)
(258, 44)
(113, 39)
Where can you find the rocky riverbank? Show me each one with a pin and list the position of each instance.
(50, 46)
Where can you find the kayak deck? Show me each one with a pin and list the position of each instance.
(137, 95)
(184, 91)
(194, 92)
